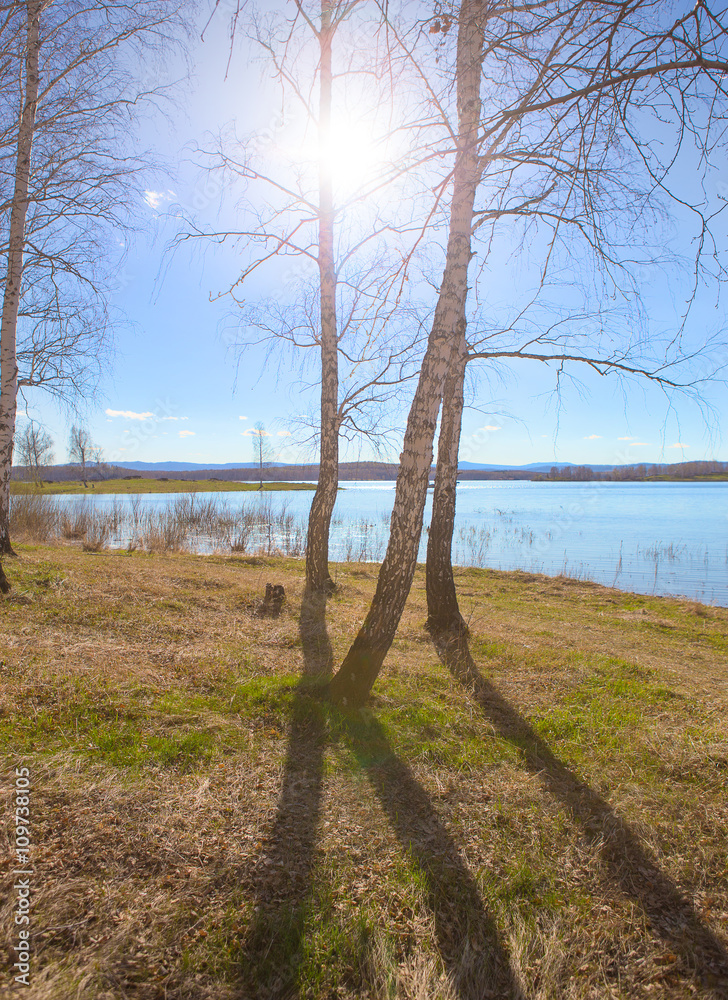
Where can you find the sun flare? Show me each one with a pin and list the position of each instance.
(353, 156)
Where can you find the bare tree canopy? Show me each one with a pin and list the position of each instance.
(566, 96)
(70, 80)
(327, 212)
(82, 451)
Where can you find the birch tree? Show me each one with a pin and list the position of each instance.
(70, 72)
(355, 677)
(557, 66)
(81, 450)
(310, 218)
(19, 202)
(590, 159)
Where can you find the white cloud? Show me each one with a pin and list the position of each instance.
(490, 427)
(186, 434)
(626, 439)
(641, 444)
(679, 444)
(284, 434)
(242, 418)
(253, 433)
(157, 198)
(129, 414)
(593, 437)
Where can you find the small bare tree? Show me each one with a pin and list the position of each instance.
(263, 453)
(82, 451)
(35, 450)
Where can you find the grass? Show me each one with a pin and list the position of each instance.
(551, 825)
(148, 486)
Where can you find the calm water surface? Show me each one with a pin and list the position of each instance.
(661, 538)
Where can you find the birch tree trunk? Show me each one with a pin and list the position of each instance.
(354, 679)
(443, 612)
(318, 578)
(11, 298)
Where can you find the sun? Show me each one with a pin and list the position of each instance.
(353, 156)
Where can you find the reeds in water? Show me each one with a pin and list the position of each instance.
(189, 522)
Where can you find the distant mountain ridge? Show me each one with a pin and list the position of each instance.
(193, 466)
(382, 471)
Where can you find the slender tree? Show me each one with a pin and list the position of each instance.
(590, 150)
(81, 450)
(70, 96)
(262, 450)
(322, 506)
(14, 275)
(337, 232)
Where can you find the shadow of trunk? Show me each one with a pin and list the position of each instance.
(271, 950)
(670, 915)
(467, 937)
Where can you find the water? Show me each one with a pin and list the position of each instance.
(652, 538)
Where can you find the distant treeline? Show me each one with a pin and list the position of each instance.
(275, 473)
(349, 471)
(643, 471)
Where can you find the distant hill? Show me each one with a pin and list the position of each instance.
(348, 471)
(192, 466)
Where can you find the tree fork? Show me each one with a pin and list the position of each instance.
(353, 681)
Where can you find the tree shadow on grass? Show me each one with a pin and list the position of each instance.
(271, 950)
(467, 937)
(271, 953)
(670, 915)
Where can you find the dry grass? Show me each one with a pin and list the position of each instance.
(549, 823)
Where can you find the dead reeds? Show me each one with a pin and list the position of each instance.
(187, 523)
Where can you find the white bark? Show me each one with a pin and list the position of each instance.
(443, 613)
(13, 281)
(322, 505)
(355, 677)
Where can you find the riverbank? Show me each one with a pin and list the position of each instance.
(200, 826)
(125, 486)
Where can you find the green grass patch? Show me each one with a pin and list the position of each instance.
(612, 708)
(122, 486)
(122, 746)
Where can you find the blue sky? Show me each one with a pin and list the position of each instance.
(175, 392)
